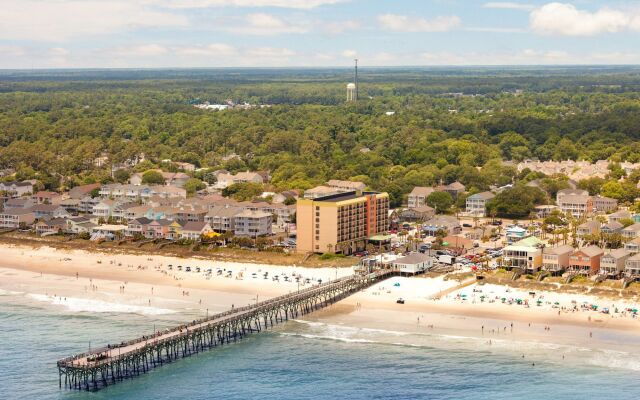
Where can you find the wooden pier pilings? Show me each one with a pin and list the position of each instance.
(115, 363)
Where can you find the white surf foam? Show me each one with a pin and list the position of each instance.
(97, 306)
(537, 350)
(324, 337)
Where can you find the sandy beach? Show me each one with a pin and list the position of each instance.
(79, 281)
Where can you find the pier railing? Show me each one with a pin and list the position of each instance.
(100, 367)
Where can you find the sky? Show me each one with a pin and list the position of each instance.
(315, 33)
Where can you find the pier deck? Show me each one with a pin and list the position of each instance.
(111, 364)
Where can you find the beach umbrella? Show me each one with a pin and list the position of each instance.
(634, 310)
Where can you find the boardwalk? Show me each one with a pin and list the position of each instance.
(114, 363)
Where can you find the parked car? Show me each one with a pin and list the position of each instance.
(467, 225)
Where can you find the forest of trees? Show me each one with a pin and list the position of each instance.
(448, 124)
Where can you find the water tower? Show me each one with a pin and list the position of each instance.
(351, 92)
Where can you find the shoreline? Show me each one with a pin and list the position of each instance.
(143, 285)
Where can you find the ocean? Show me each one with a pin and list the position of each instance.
(302, 359)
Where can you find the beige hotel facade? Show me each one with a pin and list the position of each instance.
(341, 223)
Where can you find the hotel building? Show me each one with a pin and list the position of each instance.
(341, 223)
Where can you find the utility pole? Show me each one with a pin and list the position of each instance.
(356, 78)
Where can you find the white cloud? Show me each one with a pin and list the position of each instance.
(270, 52)
(566, 20)
(59, 51)
(264, 24)
(213, 49)
(403, 23)
(145, 50)
(349, 54)
(295, 4)
(508, 5)
(337, 27)
(46, 20)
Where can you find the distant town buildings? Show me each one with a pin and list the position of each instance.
(575, 170)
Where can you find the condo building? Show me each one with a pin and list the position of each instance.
(341, 223)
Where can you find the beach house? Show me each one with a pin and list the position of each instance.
(44, 197)
(104, 209)
(476, 205)
(586, 261)
(591, 227)
(632, 267)
(570, 192)
(455, 189)
(78, 192)
(137, 226)
(527, 257)
(158, 229)
(612, 263)
(576, 205)
(19, 203)
(252, 223)
(633, 246)
(79, 225)
(446, 223)
(418, 196)
(17, 218)
(422, 213)
(347, 185)
(604, 204)
(631, 231)
(618, 215)
(413, 264)
(108, 232)
(16, 188)
(51, 226)
(222, 218)
(193, 230)
(515, 233)
(611, 228)
(41, 211)
(87, 203)
(556, 259)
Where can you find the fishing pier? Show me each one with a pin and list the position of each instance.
(114, 363)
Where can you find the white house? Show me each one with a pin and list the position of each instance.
(414, 263)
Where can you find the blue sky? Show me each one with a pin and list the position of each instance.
(272, 33)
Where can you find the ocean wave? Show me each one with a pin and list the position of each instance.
(323, 337)
(97, 306)
(309, 323)
(538, 350)
(614, 359)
